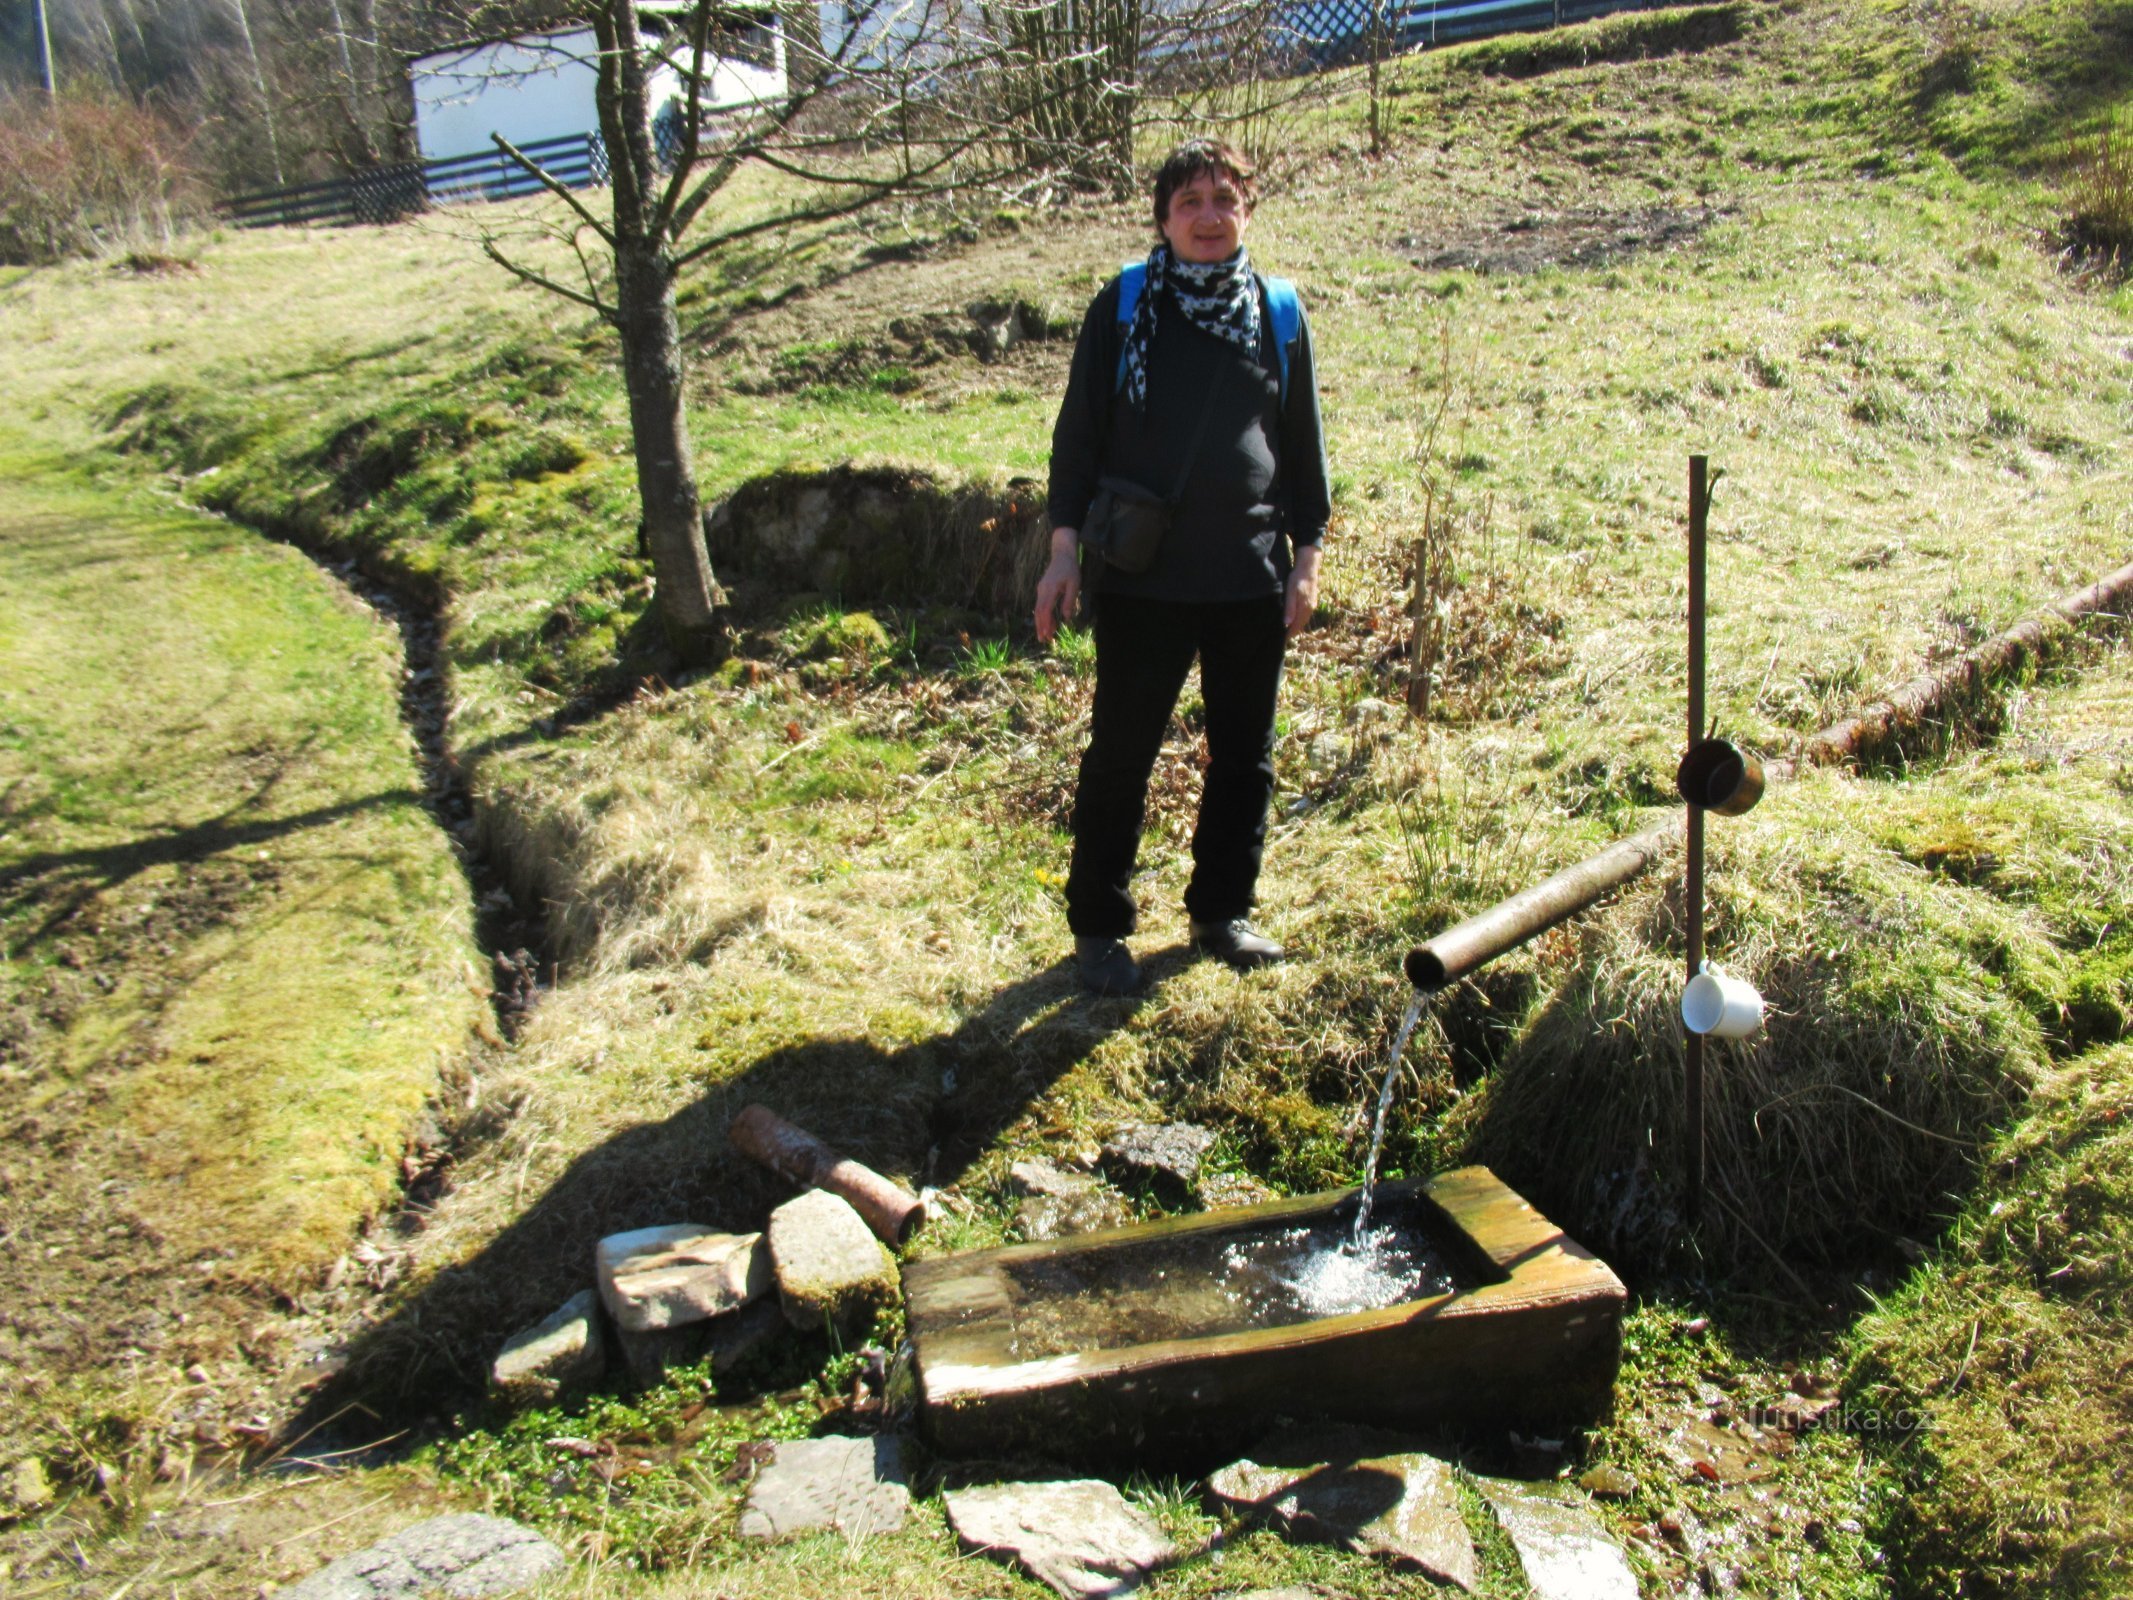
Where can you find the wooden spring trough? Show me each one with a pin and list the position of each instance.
(1530, 1334)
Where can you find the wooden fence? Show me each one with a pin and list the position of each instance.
(386, 194)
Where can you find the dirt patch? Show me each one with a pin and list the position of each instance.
(976, 315)
(1511, 243)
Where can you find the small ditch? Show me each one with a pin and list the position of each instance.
(510, 930)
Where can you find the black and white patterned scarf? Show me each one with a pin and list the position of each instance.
(1218, 297)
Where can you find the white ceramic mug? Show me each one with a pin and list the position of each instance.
(1720, 1005)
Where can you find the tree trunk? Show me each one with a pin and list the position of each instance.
(650, 331)
(659, 430)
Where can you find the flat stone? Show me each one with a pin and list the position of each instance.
(855, 1486)
(28, 1489)
(1048, 1216)
(683, 1272)
(563, 1351)
(1222, 1191)
(1166, 1154)
(1043, 1178)
(1608, 1482)
(830, 1267)
(1373, 1492)
(1566, 1553)
(1079, 1536)
(465, 1556)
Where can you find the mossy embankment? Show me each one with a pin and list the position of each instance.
(238, 961)
(827, 878)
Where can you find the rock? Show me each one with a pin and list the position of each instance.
(1373, 1492)
(28, 1489)
(651, 1355)
(853, 1485)
(1609, 1482)
(1079, 1536)
(561, 1352)
(463, 1556)
(681, 1273)
(1056, 1216)
(739, 1334)
(1222, 1191)
(1042, 1179)
(1564, 1550)
(829, 1265)
(1166, 1155)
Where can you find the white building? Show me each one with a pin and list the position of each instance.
(540, 86)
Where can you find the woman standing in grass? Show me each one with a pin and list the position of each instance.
(1193, 384)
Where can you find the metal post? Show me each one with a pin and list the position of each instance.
(1692, 1133)
(44, 51)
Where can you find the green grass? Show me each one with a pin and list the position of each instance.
(836, 887)
(237, 955)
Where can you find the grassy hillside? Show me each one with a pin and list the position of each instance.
(1819, 243)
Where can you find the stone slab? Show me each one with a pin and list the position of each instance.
(830, 1268)
(465, 1556)
(1058, 1216)
(1372, 1492)
(854, 1485)
(683, 1272)
(1079, 1536)
(1166, 1155)
(563, 1351)
(1566, 1553)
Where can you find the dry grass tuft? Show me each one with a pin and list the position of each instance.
(1904, 1026)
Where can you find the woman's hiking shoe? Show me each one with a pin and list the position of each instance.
(1107, 966)
(1235, 943)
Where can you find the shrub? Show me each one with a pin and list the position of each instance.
(87, 174)
(2099, 194)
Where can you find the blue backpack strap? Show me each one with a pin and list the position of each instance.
(1288, 321)
(1131, 278)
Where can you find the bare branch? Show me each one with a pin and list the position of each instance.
(554, 186)
(541, 280)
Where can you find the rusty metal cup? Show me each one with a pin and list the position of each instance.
(1719, 778)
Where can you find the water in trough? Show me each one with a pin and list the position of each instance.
(1235, 1279)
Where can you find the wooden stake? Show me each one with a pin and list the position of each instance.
(1692, 1055)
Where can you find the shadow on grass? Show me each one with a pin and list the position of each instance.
(929, 1109)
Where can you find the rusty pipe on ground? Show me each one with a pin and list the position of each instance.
(797, 1156)
(1861, 737)
(1483, 937)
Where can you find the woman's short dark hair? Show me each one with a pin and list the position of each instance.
(1203, 158)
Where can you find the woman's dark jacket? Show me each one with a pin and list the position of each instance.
(1257, 484)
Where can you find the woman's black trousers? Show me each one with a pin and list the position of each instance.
(1143, 650)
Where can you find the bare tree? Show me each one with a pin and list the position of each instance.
(884, 111)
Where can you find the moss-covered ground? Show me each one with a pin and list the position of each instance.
(1822, 244)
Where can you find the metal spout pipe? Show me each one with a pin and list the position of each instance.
(1458, 950)
(797, 1156)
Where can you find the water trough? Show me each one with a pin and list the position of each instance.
(1174, 1341)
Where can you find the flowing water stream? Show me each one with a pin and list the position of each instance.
(1361, 1236)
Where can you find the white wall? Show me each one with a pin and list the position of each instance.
(540, 86)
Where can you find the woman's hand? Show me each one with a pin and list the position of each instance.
(1059, 590)
(1302, 597)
